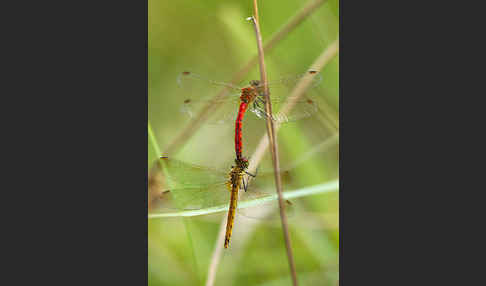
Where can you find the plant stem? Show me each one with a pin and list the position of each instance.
(274, 146)
(216, 257)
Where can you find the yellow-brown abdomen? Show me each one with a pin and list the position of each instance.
(231, 214)
(236, 177)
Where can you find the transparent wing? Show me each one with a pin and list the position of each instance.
(188, 186)
(223, 111)
(268, 211)
(190, 80)
(289, 81)
(192, 187)
(219, 196)
(180, 174)
(199, 91)
(279, 90)
(303, 108)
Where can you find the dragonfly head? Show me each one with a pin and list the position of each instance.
(254, 82)
(242, 163)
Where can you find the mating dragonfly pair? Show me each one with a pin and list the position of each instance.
(195, 186)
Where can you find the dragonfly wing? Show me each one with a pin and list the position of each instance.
(193, 198)
(290, 81)
(187, 186)
(268, 211)
(193, 187)
(259, 200)
(301, 108)
(179, 174)
(190, 80)
(222, 111)
(218, 196)
(260, 203)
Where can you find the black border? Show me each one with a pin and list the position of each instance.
(400, 110)
(80, 199)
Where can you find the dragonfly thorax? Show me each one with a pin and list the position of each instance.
(248, 94)
(242, 163)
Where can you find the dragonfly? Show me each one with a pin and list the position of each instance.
(193, 85)
(193, 187)
(251, 97)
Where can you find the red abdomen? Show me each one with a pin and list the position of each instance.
(238, 128)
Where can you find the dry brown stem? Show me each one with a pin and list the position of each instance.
(274, 146)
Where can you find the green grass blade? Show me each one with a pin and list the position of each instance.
(153, 148)
(153, 155)
(313, 190)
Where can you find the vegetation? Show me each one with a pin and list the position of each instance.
(214, 39)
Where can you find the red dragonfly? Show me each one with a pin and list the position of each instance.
(193, 85)
(250, 96)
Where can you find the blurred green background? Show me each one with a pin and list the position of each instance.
(213, 38)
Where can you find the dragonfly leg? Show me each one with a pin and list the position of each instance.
(250, 174)
(245, 185)
(253, 175)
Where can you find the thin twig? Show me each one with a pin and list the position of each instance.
(203, 115)
(273, 141)
(255, 14)
(216, 257)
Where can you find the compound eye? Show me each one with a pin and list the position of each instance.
(254, 82)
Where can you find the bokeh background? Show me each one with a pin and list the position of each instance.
(213, 38)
